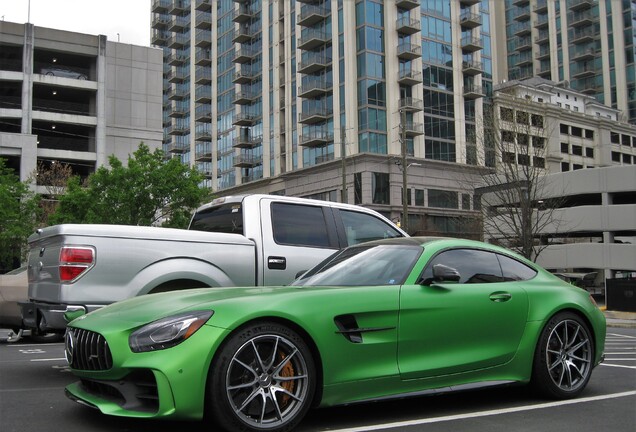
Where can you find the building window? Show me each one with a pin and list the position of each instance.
(408, 196)
(523, 159)
(616, 157)
(615, 138)
(538, 142)
(419, 197)
(576, 167)
(565, 129)
(565, 148)
(576, 131)
(627, 158)
(565, 166)
(465, 202)
(626, 140)
(537, 120)
(380, 188)
(589, 152)
(508, 157)
(357, 188)
(538, 162)
(589, 134)
(442, 199)
(577, 150)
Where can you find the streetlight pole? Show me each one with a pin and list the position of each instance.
(405, 208)
(343, 149)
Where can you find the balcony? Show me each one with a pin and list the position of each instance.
(411, 104)
(407, 4)
(541, 6)
(244, 97)
(159, 37)
(311, 14)
(314, 87)
(471, 44)
(470, 20)
(177, 148)
(311, 62)
(315, 115)
(161, 6)
(408, 25)
(178, 40)
(203, 152)
(581, 36)
(519, 3)
(203, 132)
(544, 71)
(203, 113)
(584, 70)
(543, 37)
(203, 57)
(242, 13)
(245, 161)
(581, 18)
(584, 54)
(177, 59)
(472, 67)
(315, 137)
(160, 22)
(203, 38)
(177, 93)
(521, 28)
(542, 21)
(203, 75)
(543, 53)
(179, 109)
(203, 20)
(179, 6)
(178, 75)
(409, 51)
(203, 5)
(244, 54)
(412, 129)
(247, 142)
(203, 94)
(244, 33)
(409, 77)
(522, 13)
(244, 75)
(311, 39)
(576, 5)
(524, 43)
(473, 92)
(245, 119)
(524, 59)
(179, 23)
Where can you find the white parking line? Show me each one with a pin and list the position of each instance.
(483, 413)
(43, 360)
(619, 366)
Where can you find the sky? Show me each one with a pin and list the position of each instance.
(126, 21)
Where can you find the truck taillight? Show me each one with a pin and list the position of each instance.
(74, 261)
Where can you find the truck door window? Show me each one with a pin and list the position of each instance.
(362, 227)
(226, 218)
(299, 225)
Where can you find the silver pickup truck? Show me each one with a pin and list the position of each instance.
(234, 241)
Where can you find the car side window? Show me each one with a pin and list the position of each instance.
(474, 266)
(514, 270)
(299, 225)
(362, 227)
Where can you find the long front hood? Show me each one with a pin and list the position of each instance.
(147, 308)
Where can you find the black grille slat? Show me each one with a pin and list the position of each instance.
(90, 351)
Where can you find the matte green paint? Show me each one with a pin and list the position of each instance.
(436, 336)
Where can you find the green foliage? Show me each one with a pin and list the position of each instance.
(18, 217)
(146, 191)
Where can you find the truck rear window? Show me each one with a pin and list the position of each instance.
(226, 218)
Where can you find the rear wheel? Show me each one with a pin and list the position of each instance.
(262, 380)
(564, 357)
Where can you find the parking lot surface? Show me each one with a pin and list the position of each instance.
(33, 377)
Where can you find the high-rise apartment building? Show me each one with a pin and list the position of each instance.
(267, 96)
(591, 44)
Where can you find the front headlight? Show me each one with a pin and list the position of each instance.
(167, 332)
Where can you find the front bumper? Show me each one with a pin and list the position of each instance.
(50, 317)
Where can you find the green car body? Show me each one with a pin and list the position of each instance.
(386, 339)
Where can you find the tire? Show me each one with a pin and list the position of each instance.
(564, 357)
(263, 379)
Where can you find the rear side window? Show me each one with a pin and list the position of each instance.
(513, 270)
(299, 225)
(226, 218)
(362, 227)
(474, 266)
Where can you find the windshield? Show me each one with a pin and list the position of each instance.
(364, 266)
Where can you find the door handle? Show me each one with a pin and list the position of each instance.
(276, 263)
(500, 297)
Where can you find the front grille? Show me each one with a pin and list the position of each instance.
(87, 350)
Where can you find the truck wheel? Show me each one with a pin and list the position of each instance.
(263, 379)
(40, 337)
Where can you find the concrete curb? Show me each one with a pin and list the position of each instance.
(619, 319)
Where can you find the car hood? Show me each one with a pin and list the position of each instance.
(151, 307)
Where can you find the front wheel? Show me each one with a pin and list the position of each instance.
(262, 380)
(564, 357)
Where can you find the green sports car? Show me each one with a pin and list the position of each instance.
(384, 319)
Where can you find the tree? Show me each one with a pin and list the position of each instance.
(18, 217)
(53, 176)
(148, 191)
(515, 207)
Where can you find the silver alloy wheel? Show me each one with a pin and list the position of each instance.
(569, 355)
(267, 381)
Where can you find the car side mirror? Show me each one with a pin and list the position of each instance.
(442, 273)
